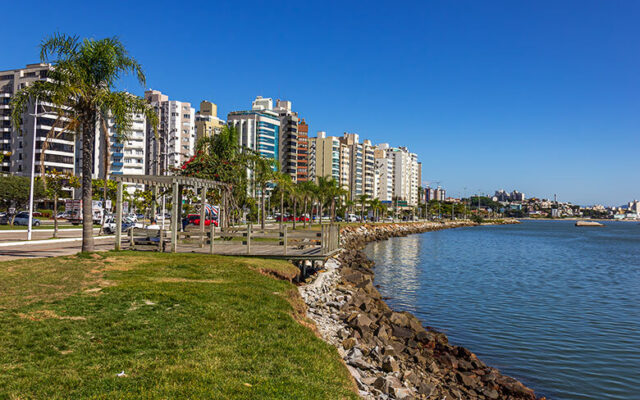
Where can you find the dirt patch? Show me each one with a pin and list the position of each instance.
(184, 280)
(278, 274)
(300, 310)
(41, 315)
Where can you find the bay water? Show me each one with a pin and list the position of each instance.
(553, 305)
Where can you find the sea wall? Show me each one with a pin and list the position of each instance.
(390, 354)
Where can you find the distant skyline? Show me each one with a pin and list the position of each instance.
(542, 97)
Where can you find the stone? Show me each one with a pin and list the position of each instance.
(399, 319)
(389, 364)
(402, 393)
(400, 332)
(348, 343)
(490, 393)
(466, 379)
(426, 388)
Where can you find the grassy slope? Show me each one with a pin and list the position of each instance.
(180, 326)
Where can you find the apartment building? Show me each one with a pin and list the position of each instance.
(258, 128)
(176, 137)
(405, 175)
(385, 172)
(369, 181)
(288, 155)
(207, 122)
(344, 178)
(303, 152)
(17, 145)
(355, 184)
(325, 152)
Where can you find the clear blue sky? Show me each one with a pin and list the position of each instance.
(539, 96)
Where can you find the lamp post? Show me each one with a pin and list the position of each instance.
(33, 168)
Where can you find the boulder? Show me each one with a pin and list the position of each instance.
(389, 364)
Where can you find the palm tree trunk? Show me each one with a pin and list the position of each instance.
(106, 173)
(88, 139)
(281, 209)
(333, 209)
(295, 213)
(320, 208)
(304, 219)
(55, 215)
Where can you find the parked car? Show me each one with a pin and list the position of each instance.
(388, 219)
(352, 218)
(37, 214)
(194, 219)
(22, 218)
(140, 216)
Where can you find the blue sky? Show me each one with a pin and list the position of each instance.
(539, 96)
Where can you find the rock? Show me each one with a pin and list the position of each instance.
(389, 364)
(400, 332)
(490, 393)
(399, 319)
(402, 393)
(466, 379)
(348, 343)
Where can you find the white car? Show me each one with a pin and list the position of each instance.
(352, 218)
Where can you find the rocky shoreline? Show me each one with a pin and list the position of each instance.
(390, 354)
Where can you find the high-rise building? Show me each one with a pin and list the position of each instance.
(303, 152)
(207, 122)
(369, 170)
(175, 142)
(258, 128)
(324, 161)
(385, 172)
(355, 184)
(288, 155)
(344, 178)
(17, 145)
(405, 175)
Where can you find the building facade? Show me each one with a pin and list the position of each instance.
(16, 145)
(207, 122)
(385, 172)
(175, 141)
(303, 152)
(288, 153)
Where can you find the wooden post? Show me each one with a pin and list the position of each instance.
(174, 219)
(249, 238)
(161, 239)
(118, 216)
(213, 235)
(285, 240)
(132, 246)
(203, 202)
(322, 239)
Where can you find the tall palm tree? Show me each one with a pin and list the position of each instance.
(323, 192)
(376, 206)
(285, 185)
(362, 199)
(81, 86)
(307, 192)
(264, 174)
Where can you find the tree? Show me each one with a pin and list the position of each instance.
(264, 169)
(285, 187)
(307, 191)
(14, 192)
(363, 201)
(325, 184)
(376, 206)
(220, 158)
(55, 184)
(81, 87)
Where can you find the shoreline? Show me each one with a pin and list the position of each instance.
(389, 354)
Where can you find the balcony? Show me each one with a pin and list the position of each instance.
(118, 154)
(117, 164)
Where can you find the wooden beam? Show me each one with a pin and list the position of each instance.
(203, 203)
(118, 216)
(174, 219)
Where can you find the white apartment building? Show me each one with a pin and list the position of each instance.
(369, 170)
(176, 134)
(385, 172)
(405, 175)
(17, 146)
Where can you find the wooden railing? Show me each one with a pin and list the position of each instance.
(247, 238)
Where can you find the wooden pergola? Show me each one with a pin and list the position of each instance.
(177, 184)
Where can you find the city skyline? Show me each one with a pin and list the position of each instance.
(542, 119)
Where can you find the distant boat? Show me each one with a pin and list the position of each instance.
(588, 223)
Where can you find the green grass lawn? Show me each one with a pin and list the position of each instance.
(179, 326)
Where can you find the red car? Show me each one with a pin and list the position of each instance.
(194, 219)
(289, 218)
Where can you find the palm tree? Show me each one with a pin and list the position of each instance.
(307, 192)
(264, 173)
(363, 201)
(323, 191)
(376, 206)
(285, 185)
(81, 86)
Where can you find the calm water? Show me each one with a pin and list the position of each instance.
(553, 305)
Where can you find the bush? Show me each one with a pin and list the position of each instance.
(477, 219)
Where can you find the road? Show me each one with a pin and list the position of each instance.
(40, 234)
